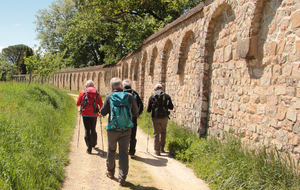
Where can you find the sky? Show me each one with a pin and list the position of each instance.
(16, 21)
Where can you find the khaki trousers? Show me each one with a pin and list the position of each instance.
(159, 131)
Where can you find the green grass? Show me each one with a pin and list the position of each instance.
(36, 126)
(227, 164)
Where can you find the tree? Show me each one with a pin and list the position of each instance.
(45, 65)
(15, 55)
(52, 24)
(6, 70)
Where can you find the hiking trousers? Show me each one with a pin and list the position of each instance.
(133, 137)
(90, 131)
(159, 131)
(123, 138)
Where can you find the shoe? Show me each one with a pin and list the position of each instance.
(132, 156)
(157, 153)
(122, 182)
(89, 151)
(110, 175)
(162, 150)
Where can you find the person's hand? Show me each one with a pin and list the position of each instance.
(100, 115)
(138, 117)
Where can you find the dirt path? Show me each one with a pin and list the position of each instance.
(146, 171)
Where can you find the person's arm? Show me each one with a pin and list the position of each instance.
(133, 106)
(140, 104)
(79, 99)
(106, 106)
(170, 103)
(149, 108)
(99, 100)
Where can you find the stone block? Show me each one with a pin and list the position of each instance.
(281, 113)
(280, 91)
(291, 114)
(261, 110)
(295, 19)
(297, 128)
(228, 53)
(251, 127)
(272, 100)
(265, 81)
(294, 140)
(271, 111)
(297, 45)
(272, 48)
(265, 122)
(282, 136)
(284, 24)
(243, 47)
(296, 73)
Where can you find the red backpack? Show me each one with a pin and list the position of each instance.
(89, 98)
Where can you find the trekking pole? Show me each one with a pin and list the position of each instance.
(101, 135)
(148, 133)
(79, 130)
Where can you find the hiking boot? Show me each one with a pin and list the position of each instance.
(110, 175)
(89, 151)
(132, 156)
(162, 150)
(122, 182)
(157, 153)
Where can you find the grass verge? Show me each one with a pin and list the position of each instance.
(36, 126)
(227, 164)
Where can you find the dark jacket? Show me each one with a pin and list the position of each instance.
(169, 104)
(106, 106)
(137, 98)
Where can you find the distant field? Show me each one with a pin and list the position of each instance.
(36, 126)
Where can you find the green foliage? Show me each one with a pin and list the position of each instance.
(16, 54)
(36, 126)
(226, 164)
(44, 64)
(6, 71)
(52, 24)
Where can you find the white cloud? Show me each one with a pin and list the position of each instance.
(1, 48)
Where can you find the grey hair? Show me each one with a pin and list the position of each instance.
(89, 83)
(127, 83)
(115, 82)
(158, 86)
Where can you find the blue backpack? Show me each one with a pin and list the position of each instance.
(120, 112)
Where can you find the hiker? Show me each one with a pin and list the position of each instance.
(127, 88)
(159, 104)
(120, 106)
(90, 103)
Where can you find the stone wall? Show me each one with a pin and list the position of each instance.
(229, 66)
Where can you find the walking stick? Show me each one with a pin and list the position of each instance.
(101, 135)
(79, 130)
(148, 133)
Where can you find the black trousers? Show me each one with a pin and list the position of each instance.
(90, 131)
(133, 137)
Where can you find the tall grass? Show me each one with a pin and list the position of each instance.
(36, 125)
(227, 164)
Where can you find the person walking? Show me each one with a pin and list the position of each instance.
(159, 104)
(127, 88)
(90, 103)
(121, 107)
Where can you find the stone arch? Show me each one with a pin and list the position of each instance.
(131, 69)
(154, 56)
(125, 70)
(99, 81)
(185, 49)
(78, 81)
(142, 79)
(93, 76)
(136, 70)
(164, 62)
(88, 76)
(218, 49)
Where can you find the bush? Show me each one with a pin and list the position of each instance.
(36, 126)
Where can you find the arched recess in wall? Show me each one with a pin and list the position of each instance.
(164, 63)
(142, 79)
(216, 53)
(125, 70)
(74, 81)
(78, 81)
(263, 46)
(154, 56)
(94, 76)
(99, 81)
(83, 79)
(63, 81)
(88, 76)
(130, 69)
(107, 78)
(70, 81)
(136, 70)
(184, 51)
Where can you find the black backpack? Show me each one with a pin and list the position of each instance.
(159, 106)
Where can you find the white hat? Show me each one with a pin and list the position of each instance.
(158, 86)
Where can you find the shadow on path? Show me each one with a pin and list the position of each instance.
(155, 161)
